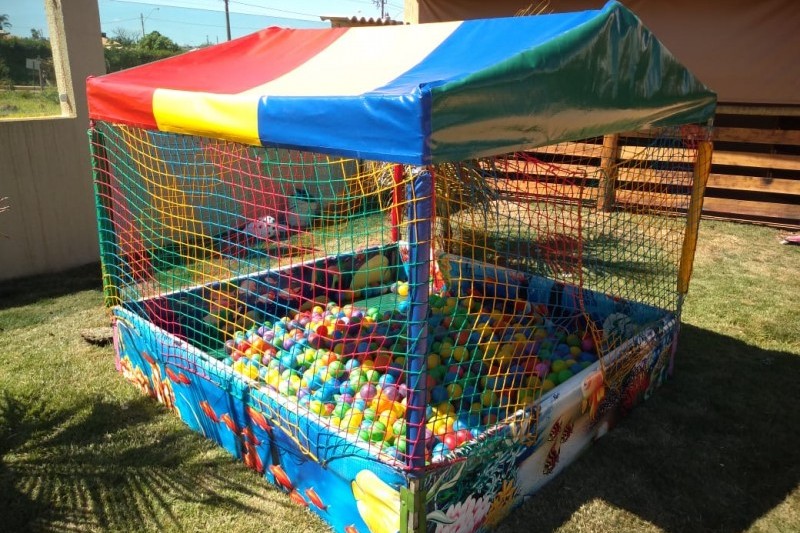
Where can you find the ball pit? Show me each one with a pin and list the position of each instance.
(345, 364)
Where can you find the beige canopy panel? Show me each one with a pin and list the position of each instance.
(749, 52)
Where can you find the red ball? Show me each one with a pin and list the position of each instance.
(450, 441)
(462, 436)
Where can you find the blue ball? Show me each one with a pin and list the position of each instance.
(450, 377)
(395, 371)
(441, 448)
(439, 394)
(288, 360)
(403, 306)
(386, 379)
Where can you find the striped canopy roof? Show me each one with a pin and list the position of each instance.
(415, 93)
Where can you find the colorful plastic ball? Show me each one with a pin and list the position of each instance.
(440, 449)
(401, 443)
(402, 289)
(368, 391)
(449, 440)
(394, 370)
(548, 385)
(335, 369)
(340, 410)
(438, 394)
(542, 369)
(372, 376)
(399, 427)
(377, 431)
(352, 420)
(386, 380)
(564, 375)
(489, 398)
(454, 391)
(316, 406)
(463, 435)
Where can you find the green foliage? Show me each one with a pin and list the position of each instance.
(131, 53)
(5, 75)
(4, 23)
(155, 41)
(122, 58)
(20, 103)
(15, 50)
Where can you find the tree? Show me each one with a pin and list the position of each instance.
(4, 23)
(37, 35)
(125, 37)
(155, 41)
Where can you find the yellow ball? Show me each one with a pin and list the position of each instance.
(402, 289)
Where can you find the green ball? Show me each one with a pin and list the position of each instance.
(564, 375)
(378, 431)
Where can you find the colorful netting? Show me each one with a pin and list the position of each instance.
(418, 313)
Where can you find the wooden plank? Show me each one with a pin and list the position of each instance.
(673, 178)
(541, 168)
(577, 149)
(653, 200)
(756, 209)
(651, 153)
(754, 184)
(749, 159)
(546, 190)
(766, 110)
(757, 136)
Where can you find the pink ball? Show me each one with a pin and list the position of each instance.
(368, 392)
(390, 392)
(587, 344)
(542, 369)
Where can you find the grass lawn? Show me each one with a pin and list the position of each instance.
(19, 104)
(716, 449)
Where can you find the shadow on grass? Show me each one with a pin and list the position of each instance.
(29, 290)
(94, 466)
(715, 449)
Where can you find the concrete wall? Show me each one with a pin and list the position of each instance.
(45, 168)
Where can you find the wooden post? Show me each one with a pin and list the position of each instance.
(608, 172)
(702, 168)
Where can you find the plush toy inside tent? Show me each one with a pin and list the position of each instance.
(407, 273)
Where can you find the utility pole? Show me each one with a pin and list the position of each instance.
(142, 17)
(382, 5)
(227, 19)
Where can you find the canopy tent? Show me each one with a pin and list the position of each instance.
(416, 94)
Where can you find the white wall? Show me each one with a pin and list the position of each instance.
(45, 168)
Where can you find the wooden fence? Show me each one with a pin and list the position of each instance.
(755, 173)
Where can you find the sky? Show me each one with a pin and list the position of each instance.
(196, 22)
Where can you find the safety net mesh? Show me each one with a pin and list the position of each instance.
(410, 314)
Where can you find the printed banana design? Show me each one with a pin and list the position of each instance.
(378, 503)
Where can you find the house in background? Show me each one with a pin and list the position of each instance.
(745, 51)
